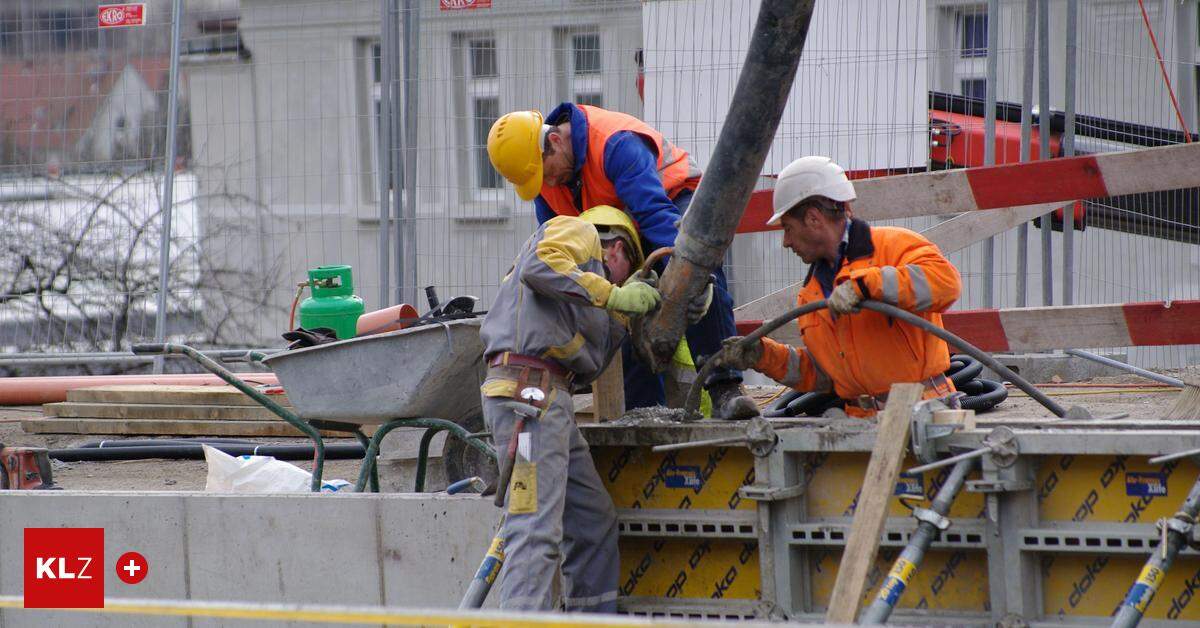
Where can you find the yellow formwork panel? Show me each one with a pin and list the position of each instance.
(1079, 584)
(689, 479)
(1111, 488)
(951, 580)
(835, 480)
(702, 478)
(690, 568)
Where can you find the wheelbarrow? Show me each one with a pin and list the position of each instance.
(402, 378)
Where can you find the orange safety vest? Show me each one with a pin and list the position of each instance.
(676, 169)
(866, 352)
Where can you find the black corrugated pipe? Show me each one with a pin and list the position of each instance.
(333, 451)
(729, 177)
(158, 442)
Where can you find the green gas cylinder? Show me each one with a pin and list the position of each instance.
(332, 303)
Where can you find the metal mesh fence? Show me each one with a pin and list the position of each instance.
(353, 131)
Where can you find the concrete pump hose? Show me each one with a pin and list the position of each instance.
(693, 398)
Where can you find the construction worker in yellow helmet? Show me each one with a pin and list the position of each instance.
(580, 157)
(559, 318)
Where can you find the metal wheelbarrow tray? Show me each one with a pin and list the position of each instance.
(433, 370)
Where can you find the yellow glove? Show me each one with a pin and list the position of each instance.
(844, 299)
(634, 298)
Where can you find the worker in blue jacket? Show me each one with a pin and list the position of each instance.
(582, 156)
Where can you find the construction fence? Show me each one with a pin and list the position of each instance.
(353, 132)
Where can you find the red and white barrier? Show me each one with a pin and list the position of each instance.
(1010, 185)
(1066, 327)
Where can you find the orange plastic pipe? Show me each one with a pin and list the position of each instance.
(30, 391)
(387, 319)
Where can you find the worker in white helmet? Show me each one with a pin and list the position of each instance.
(858, 355)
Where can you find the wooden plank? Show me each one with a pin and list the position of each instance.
(883, 469)
(148, 427)
(608, 392)
(157, 411)
(183, 395)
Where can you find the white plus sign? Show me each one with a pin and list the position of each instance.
(132, 568)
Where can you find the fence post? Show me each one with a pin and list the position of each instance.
(407, 246)
(1026, 148)
(1068, 265)
(989, 142)
(168, 196)
(384, 151)
(1044, 144)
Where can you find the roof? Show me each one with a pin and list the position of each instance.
(47, 105)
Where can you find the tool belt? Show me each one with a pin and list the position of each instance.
(529, 371)
(937, 383)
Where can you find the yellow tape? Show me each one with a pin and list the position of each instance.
(1151, 576)
(903, 570)
(344, 614)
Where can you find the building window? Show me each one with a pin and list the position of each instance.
(974, 88)
(973, 28)
(482, 58)
(585, 69)
(585, 48)
(486, 111)
(481, 92)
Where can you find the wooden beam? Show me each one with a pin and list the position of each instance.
(148, 427)
(608, 392)
(891, 438)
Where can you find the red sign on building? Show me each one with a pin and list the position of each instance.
(114, 15)
(459, 5)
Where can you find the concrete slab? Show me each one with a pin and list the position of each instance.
(1040, 368)
(411, 550)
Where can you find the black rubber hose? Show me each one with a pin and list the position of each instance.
(963, 368)
(968, 348)
(982, 394)
(159, 442)
(333, 451)
(779, 407)
(693, 398)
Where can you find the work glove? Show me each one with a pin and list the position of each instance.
(844, 299)
(698, 306)
(634, 298)
(735, 355)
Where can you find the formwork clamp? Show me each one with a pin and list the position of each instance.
(924, 432)
(931, 517)
(770, 493)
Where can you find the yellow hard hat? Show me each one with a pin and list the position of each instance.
(612, 222)
(514, 146)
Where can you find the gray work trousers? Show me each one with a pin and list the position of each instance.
(573, 512)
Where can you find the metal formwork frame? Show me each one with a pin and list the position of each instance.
(1010, 531)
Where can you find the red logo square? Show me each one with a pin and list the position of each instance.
(64, 567)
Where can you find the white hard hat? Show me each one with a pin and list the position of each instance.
(806, 177)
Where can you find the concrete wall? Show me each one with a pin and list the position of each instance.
(395, 550)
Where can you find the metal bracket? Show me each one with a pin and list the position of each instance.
(998, 486)
(769, 493)
(924, 432)
(929, 516)
(1002, 442)
(1180, 526)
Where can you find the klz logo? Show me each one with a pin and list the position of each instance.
(64, 567)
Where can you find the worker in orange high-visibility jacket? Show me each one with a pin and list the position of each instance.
(856, 354)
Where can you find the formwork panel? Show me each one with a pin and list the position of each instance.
(948, 580)
(1094, 585)
(1124, 489)
(690, 568)
(835, 480)
(702, 478)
